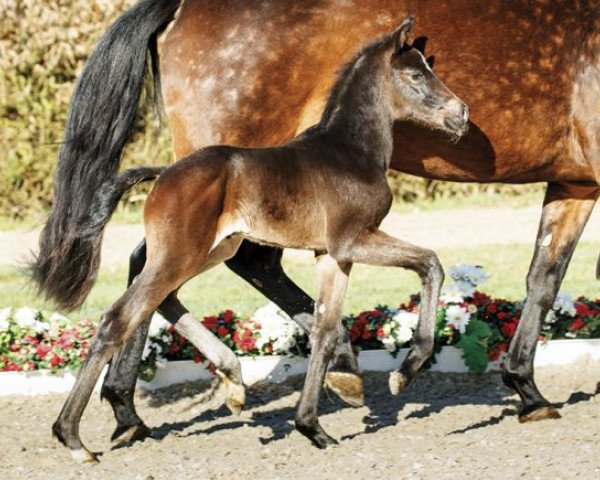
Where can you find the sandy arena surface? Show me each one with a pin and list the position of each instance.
(444, 426)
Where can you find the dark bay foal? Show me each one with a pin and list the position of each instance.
(325, 191)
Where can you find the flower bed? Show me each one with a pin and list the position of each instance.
(481, 327)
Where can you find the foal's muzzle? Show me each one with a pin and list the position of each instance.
(457, 119)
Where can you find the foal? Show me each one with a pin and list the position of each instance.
(324, 191)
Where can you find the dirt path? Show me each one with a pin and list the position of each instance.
(435, 229)
(444, 426)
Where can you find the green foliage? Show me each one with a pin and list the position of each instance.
(474, 344)
(43, 48)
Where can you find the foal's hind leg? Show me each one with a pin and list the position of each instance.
(379, 248)
(260, 266)
(565, 213)
(332, 281)
(116, 326)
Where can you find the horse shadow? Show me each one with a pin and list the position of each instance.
(429, 394)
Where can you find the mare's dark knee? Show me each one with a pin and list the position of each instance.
(137, 260)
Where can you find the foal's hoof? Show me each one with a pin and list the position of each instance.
(397, 383)
(538, 413)
(83, 455)
(129, 434)
(236, 398)
(348, 386)
(316, 435)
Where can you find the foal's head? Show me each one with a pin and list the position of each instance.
(417, 93)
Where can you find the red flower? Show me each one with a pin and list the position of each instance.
(496, 352)
(375, 313)
(198, 358)
(222, 331)
(582, 310)
(491, 309)
(42, 350)
(64, 341)
(508, 328)
(174, 348)
(210, 322)
(503, 315)
(380, 332)
(13, 367)
(14, 347)
(32, 340)
(577, 324)
(55, 361)
(362, 319)
(355, 331)
(366, 334)
(228, 316)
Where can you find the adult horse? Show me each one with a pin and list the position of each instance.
(256, 73)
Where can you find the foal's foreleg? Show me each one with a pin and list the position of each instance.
(332, 281)
(566, 211)
(378, 248)
(261, 267)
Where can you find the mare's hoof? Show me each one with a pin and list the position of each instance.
(130, 434)
(348, 386)
(83, 455)
(397, 383)
(316, 435)
(538, 413)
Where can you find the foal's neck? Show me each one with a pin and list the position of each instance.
(359, 113)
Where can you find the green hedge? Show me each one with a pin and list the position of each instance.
(43, 48)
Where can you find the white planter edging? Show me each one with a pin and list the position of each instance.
(277, 368)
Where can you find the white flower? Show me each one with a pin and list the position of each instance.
(4, 316)
(466, 278)
(40, 327)
(26, 317)
(157, 323)
(458, 317)
(57, 317)
(389, 344)
(276, 326)
(452, 294)
(550, 318)
(564, 304)
(406, 320)
(404, 334)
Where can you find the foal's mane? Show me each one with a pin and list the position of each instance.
(343, 76)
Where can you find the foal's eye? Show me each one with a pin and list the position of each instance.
(417, 76)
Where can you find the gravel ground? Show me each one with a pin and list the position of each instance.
(444, 426)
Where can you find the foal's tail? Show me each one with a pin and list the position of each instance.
(101, 119)
(66, 267)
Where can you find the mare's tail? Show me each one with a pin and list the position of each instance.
(101, 119)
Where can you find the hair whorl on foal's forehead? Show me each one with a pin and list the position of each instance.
(388, 40)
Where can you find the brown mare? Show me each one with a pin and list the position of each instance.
(257, 73)
(324, 191)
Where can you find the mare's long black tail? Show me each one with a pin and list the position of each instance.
(101, 119)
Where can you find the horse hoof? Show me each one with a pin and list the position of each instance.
(348, 386)
(539, 413)
(236, 398)
(317, 436)
(130, 434)
(397, 383)
(83, 455)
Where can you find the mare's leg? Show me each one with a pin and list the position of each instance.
(379, 248)
(119, 383)
(261, 267)
(332, 281)
(566, 211)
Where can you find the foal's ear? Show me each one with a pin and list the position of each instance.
(402, 33)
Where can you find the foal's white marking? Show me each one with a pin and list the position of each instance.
(547, 240)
